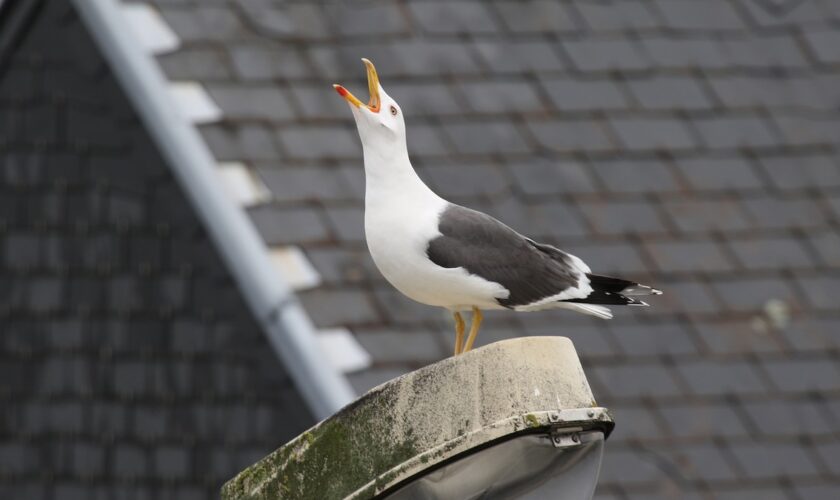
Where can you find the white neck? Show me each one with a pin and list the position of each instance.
(388, 173)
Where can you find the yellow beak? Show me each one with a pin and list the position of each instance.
(373, 88)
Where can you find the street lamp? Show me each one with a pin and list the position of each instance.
(514, 419)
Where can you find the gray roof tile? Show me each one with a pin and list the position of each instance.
(584, 94)
(339, 307)
(827, 245)
(771, 253)
(518, 56)
(316, 103)
(171, 462)
(743, 336)
(638, 422)
(620, 258)
(779, 418)
(804, 375)
(773, 51)
(347, 222)
(455, 17)
(260, 62)
(782, 14)
(690, 15)
(306, 183)
(434, 58)
(565, 135)
(538, 16)
(635, 176)
(369, 19)
(683, 53)
(670, 92)
(426, 140)
(811, 334)
(688, 255)
(625, 217)
(828, 451)
(834, 204)
(720, 378)
(731, 132)
(651, 339)
(823, 43)
(812, 171)
(820, 290)
(772, 460)
(542, 177)
(686, 295)
(551, 218)
(204, 23)
(700, 215)
(467, 180)
(720, 173)
(196, 63)
(295, 20)
(407, 346)
(771, 212)
(423, 98)
(696, 419)
(824, 491)
(752, 294)
(399, 309)
(288, 226)
(130, 462)
(606, 54)
(319, 142)
(704, 461)
(636, 380)
(244, 142)
(628, 468)
(499, 97)
(806, 130)
(485, 137)
(653, 133)
(626, 15)
(256, 102)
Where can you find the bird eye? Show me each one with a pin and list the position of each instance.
(394, 110)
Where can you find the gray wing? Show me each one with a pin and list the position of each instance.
(487, 248)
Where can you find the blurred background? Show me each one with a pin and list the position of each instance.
(691, 145)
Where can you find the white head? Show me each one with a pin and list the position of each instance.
(379, 122)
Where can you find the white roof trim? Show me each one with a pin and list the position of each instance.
(293, 265)
(284, 321)
(343, 350)
(194, 103)
(241, 184)
(150, 29)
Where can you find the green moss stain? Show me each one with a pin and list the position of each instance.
(329, 461)
(531, 420)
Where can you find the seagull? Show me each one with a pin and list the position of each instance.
(442, 254)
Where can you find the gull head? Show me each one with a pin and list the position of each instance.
(379, 122)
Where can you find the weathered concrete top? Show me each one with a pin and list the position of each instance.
(425, 417)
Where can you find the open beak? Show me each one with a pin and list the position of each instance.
(373, 88)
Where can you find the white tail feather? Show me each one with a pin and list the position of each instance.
(590, 309)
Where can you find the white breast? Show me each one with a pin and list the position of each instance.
(398, 229)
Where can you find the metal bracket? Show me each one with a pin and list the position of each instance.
(563, 437)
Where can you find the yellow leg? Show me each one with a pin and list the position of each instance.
(459, 333)
(476, 324)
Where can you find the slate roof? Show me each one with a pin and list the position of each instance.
(131, 367)
(691, 145)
